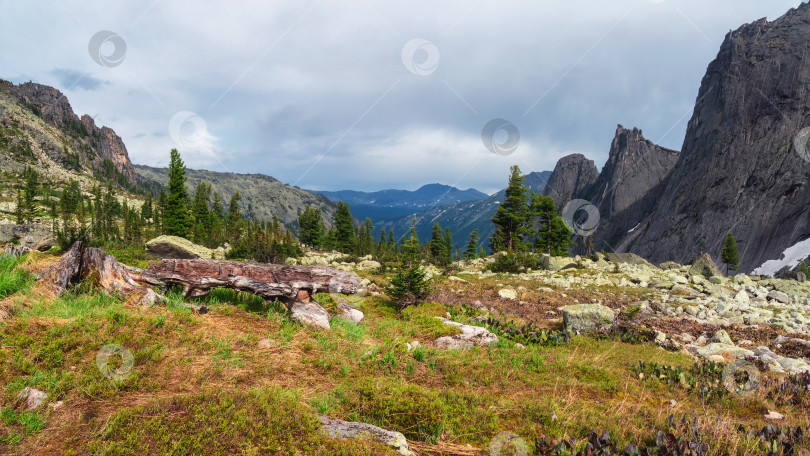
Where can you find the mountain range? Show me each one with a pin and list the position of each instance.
(386, 204)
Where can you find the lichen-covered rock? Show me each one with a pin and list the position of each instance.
(348, 312)
(705, 266)
(343, 430)
(779, 297)
(469, 337)
(32, 398)
(33, 236)
(508, 293)
(587, 317)
(177, 248)
(310, 314)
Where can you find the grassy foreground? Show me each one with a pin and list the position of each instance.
(203, 384)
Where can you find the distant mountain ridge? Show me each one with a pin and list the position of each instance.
(386, 204)
(462, 218)
(262, 196)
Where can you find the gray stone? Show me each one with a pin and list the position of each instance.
(174, 247)
(721, 349)
(779, 297)
(721, 337)
(470, 336)
(33, 236)
(344, 430)
(705, 266)
(508, 293)
(587, 317)
(349, 313)
(32, 398)
(310, 314)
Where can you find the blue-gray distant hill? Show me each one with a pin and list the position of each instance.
(388, 204)
(462, 218)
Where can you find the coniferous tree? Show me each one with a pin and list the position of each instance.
(146, 209)
(176, 217)
(510, 219)
(345, 240)
(447, 257)
(234, 217)
(437, 245)
(804, 270)
(553, 236)
(729, 253)
(472, 245)
(312, 227)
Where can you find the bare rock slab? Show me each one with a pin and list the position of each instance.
(344, 430)
(469, 337)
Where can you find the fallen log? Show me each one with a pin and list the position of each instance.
(81, 262)
(269, 281)
(197, 277)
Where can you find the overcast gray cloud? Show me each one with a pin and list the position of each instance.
(315, 93)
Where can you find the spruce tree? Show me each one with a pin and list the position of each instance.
(176, 217)
(511, 221)
(312, 228)
(803, 269)
(729, 253)
(472, 245)
(344, 229)
(234, 217)
(437, 246)
(553, 236)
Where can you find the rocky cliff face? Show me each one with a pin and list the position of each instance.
(740, 169)
(572, 176)
(94, 145)
(629, 186)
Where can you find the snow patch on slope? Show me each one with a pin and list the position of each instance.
(791, 258)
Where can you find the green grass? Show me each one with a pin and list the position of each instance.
(73, 305)
(257, 422)
(12, 280)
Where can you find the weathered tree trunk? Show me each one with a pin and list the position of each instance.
(82, 262)
(270, 281)
(197, 277)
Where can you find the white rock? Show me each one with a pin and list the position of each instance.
(32, 398)
(508, 293)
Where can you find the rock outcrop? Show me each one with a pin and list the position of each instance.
(177, 248)
(572, 176)
(99, 147)
(584, 318)
(743, 167)
(628, 186)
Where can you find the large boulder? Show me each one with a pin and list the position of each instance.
(347, 312)
(705, 266)
(554, 264)
(587, 317)
(177, 248)
(628, 258)
(344, 430)
(33, 236)
(310, 314)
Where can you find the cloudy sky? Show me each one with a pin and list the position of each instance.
(367, 95)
